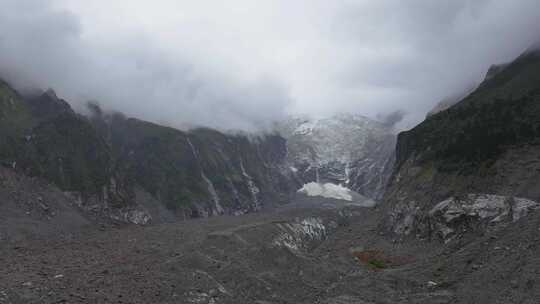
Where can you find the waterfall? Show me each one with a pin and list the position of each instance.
(210, 186)
(253, 189)
(213, 193)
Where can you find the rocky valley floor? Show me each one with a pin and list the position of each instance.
(316, 251)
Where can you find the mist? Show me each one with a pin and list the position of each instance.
(244, 64)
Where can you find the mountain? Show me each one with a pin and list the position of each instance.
(42, 136)
(135, 171)
(130, 170)
(458, 222)
(475, 164)
(201, 172)
(350, 150)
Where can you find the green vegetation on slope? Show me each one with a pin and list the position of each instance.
(504, 111)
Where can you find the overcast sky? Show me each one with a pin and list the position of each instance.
(243, 63)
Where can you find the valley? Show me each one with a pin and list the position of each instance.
(99, 207)
(316, 251)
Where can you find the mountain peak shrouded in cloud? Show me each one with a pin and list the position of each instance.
(242, 66)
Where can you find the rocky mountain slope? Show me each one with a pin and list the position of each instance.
(122, 167)
(475, 164)
(142, 172)
(202, 172)
(33, 208)
(350, 150)
(42, 136)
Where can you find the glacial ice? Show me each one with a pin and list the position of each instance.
(327, 190)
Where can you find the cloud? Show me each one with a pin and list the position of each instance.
(242, 64)
(391, 119)
(41, 46)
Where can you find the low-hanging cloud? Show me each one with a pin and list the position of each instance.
(242, 64)
(391, 119)
(43, 47)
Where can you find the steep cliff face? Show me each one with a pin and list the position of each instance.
(201, 172)
(121, 168)
(350, 150)
(42, 136)
(487, 144)
(15, 118)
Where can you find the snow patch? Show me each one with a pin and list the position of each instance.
(327, 190)
(300, 234)
(453, 216)
(305, 128)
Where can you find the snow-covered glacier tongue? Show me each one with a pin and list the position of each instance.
(328, 190)
(344, 151)
(339, 192)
